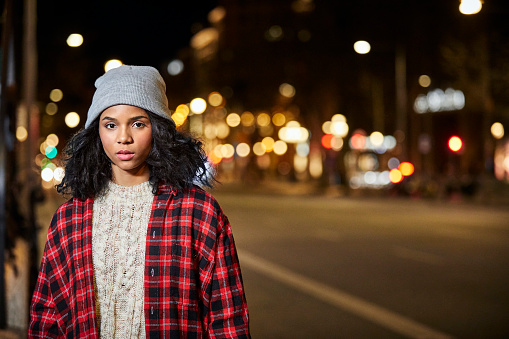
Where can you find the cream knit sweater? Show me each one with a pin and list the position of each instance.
(120, 222)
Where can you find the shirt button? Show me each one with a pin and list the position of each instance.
(152, 272)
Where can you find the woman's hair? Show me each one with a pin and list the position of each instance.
(175, 159)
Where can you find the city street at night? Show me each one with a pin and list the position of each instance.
(339, 267)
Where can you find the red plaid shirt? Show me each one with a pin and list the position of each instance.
(193, 283)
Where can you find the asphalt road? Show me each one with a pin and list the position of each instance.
(318, 267)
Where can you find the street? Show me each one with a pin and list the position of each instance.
(322, 267)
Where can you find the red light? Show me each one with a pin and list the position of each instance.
(455, 144)
(327, 141)
(357, 141)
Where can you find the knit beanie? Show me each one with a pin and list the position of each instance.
(140, 86)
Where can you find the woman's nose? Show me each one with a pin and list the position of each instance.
(124, 136)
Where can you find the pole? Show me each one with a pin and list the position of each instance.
(5, 52)
(401, 95)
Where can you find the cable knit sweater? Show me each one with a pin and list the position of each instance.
(119, 231)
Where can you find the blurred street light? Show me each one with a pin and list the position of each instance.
(75, 40)
(469, 7)
(198, 105)
(113, 63)
(362, 47)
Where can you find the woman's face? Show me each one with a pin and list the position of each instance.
(126, 136)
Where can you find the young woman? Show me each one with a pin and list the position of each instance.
(139, 250)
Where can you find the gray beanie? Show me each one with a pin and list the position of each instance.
(140, 86)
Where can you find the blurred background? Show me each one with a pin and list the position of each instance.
(360, 148)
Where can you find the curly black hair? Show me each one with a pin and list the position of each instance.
(175, 159)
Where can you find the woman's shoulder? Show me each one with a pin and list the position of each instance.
(69, 209)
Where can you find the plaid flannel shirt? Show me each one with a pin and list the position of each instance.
(193, 284)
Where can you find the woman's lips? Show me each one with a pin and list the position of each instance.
(125, 155)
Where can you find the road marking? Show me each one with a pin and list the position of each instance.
(424, 257)
(342, 300)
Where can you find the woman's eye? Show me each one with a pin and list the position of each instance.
(109, 125)
(138, 124)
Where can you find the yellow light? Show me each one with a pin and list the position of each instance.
(338, 128)
(243, 150)
(198, 105)
(362, 47)
(72, 119)
(222, 130)
(259, 149)
(183, 109)
(227, 151)
(247, 119)
(395, 176)
(280, 147)
(178, 118)
(51, 108)
(42, 147)
(263, 119)
(287, 90)
(424, 81)
(300, 163)
(21, 133)
(497, 130)
(74, 40)
(233, 119)
(268, 142)
(52, 140)
(338, 118)
(376, 139)
(406, 168)
(279, 119)
(326, 127)
(469, 7)
(215, 99)
(56, 95)
(214, 158)
(113, 63)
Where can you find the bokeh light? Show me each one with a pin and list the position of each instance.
(406, 168)
(175, 67)
(47, 174)
(51, 108)
(233, 119)
(74, 40)
(259, 148)
(287, 90)
(279, 119)
(469, 7)
(72, 119)
(497, 130)
(362, 47)
(280, 147)
(215, 99)
(56, 95)
(113, 63)
(243, 150)
(21, 133)
(198, 105)
(263, 120)
(424, 81)
(455, 144)
(395, 176)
